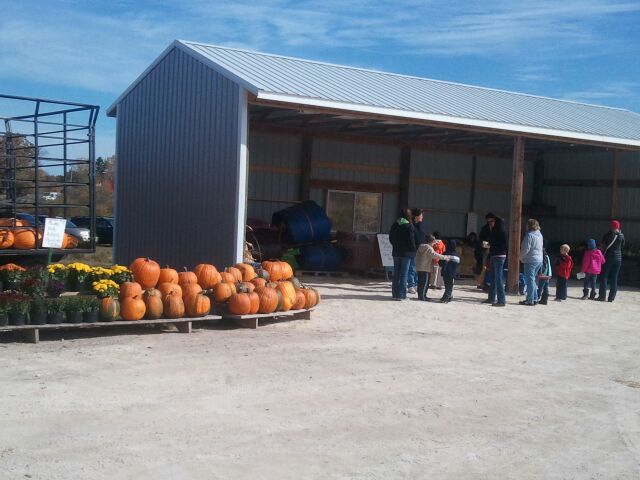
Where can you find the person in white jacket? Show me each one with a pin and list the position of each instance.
(424, 265)
(531, 257)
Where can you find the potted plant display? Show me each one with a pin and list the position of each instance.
(90, 310)
(55, 310)
(121, 274)
(73, 307)
(55, 288)
(57, 271)
(37, 311)
(78, 276)
(107, 292)
(18, 307)
(11, 275)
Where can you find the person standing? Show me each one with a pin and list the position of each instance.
(403, 243)
(417, 218)
(435, 280)
(531, 257)
(613, 244)
(449, 270)
(564, 266)
(592, 262)
(481, 252)
(497, 256)
(424, 265)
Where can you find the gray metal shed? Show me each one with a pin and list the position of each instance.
(186, 125)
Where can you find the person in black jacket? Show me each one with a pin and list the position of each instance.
(403, 242)
(480, 252)
(613, 244)
(497, 256)
(417, 219)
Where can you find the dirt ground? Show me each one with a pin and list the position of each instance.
(368, 389)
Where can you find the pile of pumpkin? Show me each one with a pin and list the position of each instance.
(19, 235)
(166, 293)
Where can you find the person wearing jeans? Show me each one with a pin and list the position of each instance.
(403, 243)
(497, 256)
(613, 243)
(424, 265)
(531, 257)
(417, 218)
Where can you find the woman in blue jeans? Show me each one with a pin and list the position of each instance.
(497, 256)
(403, 242)
(531, 257)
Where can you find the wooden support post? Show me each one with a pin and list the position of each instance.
(305, 168)
(515, 220)
(474, 181)
(183, 327)
(31, 335)
(614, 186)
(247, 322)
(405, 176)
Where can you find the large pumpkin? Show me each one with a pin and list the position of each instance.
(268, 300)
(166, 288)
(130, 289)
(25, 238)
(254, 300)
(237, 274)
(132, 308)
(240, 304)
(288, 295)
(153, 302)
(69, 241)
(6, 238)
(190, 290)
(287, 271)
(259, 282)
(274, 268)
(173, 306)
(187, 277)
(168, 275)
(223, 291)
(300, 302)
(197, 305)
(227, 277)
(207, 275)
(248, 273)
(145, 271)
(109, 309)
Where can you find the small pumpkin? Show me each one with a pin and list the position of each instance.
(288, 295)
(300, 302)
(262, 273)
(6, 238)
(186, 277)
(173, 306)
(145, 271)
(259, 282)
(69, 241)
(227, 277)
(109, 309)
(223, 291)
(240, 304)
(268, 300)
(287, 271)
(152, 299)
(312, 297)
(207, 275)
(166, 288)
(245, 287)
(129, 289)
(237, 274)
(197, 305)
(168, 275)
(132, 308)
(248, 273)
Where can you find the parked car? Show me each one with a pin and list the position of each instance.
(82, 234)
(104, 228)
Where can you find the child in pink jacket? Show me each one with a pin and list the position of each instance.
(591, 267)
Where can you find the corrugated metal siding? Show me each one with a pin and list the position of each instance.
(629, 165)
(337, 83)
(494, 172)
(579, 201)
(578, 164)
(177, 151)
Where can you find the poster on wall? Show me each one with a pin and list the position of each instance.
(385, 250)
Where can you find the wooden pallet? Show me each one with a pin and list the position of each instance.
(320, 273)
(31, 333)
(253, 321)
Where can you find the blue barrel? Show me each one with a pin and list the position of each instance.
(321, 258)
(306, 223)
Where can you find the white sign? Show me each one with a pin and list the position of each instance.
(54, 232)
(385, 250)
(472, 222)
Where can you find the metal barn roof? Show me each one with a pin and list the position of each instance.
(304, 82)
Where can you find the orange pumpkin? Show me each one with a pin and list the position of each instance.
(259, 282)
(262, 273)
(254, 300)
(227, 277)
(190, 290)
(187, 277)
(223, 291)
(312, 297)
(207, 275)
(109, 309)
(300, 302)
(168, 275)
(145, 271)
(274, 269)
(69, 241)
(132, 308)
(198, 305)
(288, 295)
(153, 302)
(173, 306)
(130, 289)
(25, 238)
(245, 287)
(11, 222)
(237, 274)
(248, 273)
(268, 300)
(240, 304)
(166, 288)
(6, 238)
(287, 271)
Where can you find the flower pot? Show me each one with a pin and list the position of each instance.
(90, 317)
(4, 320)
(17, 318)
(55, 318)
(74, 317)
(37, 317)
(11, 285)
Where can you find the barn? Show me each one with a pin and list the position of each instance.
(209, 136)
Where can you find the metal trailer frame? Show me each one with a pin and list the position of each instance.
(50, 127)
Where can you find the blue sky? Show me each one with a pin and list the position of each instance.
(90, 51)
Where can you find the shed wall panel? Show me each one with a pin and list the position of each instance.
(629, 165)
(578, 164)
(177, 146)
